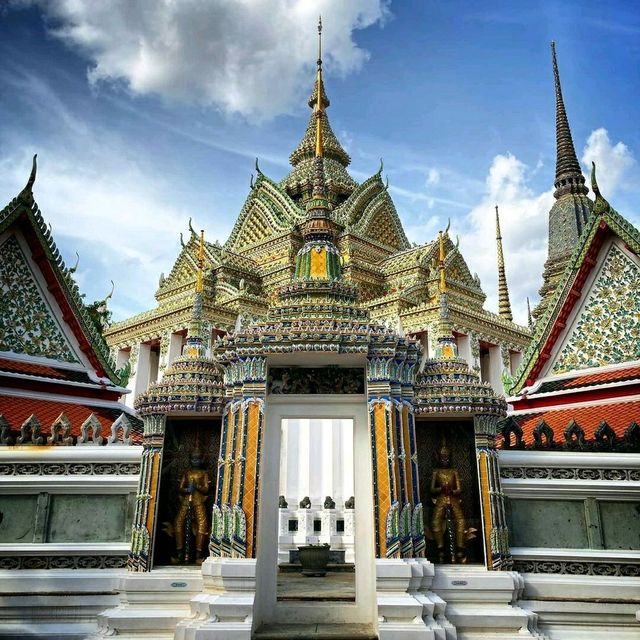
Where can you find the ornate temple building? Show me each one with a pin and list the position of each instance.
(327, 449)
(397, 281)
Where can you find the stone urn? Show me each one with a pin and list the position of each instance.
(314, 559)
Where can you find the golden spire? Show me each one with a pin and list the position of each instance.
(319, 106)
(443, 282)
(200, 279)
(504, 304)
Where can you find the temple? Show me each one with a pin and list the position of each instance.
(397, 281)
(338, 440)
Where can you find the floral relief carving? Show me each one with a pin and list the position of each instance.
(612, 310)
(34, 330)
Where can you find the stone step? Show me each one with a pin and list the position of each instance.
(315, 632)
(296, 567)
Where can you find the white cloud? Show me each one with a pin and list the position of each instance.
(524, 219)
(523, 223)
(433, 176)
(114, 214)
(613, 161)
(249, 58)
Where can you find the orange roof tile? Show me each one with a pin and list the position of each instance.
(42, 370)
(618, 415)
(591, 379)
(16, 409)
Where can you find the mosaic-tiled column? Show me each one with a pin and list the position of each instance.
(496, 535)
(416, 525)
(235, 513)
(393, 450)
(144, 520)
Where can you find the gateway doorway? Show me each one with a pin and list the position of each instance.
(295, 423)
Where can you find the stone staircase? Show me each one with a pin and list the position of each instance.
(315, 632)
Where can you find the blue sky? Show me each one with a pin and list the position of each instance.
(146, 113)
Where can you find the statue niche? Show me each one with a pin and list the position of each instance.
(448, 481)
(187, 489)
(191, 519)
(448, 515)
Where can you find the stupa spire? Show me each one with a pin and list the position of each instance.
(529, 317)
(195, 347)
(319, 258)
(447, 347)
(504, 304)
(571, 210)
(319, 108)
(569, 178)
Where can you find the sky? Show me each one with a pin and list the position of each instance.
(144, 114)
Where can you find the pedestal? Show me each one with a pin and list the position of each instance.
(224, 611)
(151, 604)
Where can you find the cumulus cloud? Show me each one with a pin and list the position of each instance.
(248, 58)
(523, 223)
(613, 161)
(115, 216)
(524, 219)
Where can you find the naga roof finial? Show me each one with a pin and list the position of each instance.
(110, 294)
(601, 205)
(258, 168)
(381, 167)
(27, 192)
(191, 229)
(75, 266)
(504, 304)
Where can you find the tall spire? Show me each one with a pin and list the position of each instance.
(504, 304)
(569, 178)
(572, 209)
(529, 317)
(319, 107)
(319, 141)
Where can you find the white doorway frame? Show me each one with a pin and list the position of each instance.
(267, 609)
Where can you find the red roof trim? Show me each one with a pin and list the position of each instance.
(574, 294)
(56, 290)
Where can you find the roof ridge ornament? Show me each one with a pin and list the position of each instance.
(601, 205)
(27, 193)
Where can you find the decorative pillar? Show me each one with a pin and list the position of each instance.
(475, 352)
(495, 368)
(464, 349)
(144, 519)
(496, 536)
(140, 378)
(235, 512)
(398, 518)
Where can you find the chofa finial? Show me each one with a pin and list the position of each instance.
(601, 205)
(27, 192)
